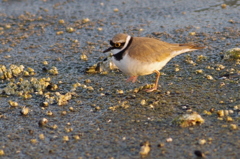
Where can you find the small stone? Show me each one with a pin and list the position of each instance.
(199, 153)
(161, 145)
(44, 104)
(43, 122)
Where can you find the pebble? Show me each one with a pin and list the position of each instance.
(43, 122)
(199, 153)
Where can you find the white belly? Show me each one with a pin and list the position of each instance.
(134, 67)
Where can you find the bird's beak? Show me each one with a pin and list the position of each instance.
(109, 49)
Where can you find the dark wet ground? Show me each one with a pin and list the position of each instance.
(28, 36)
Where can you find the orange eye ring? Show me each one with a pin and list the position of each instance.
(117, 44)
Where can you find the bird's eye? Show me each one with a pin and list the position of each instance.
(117, 44)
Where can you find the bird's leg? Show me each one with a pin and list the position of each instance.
(132, 79)
(156, 83)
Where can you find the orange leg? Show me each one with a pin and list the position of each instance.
(156, 83)
(132, 79)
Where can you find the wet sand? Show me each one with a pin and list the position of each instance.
(104, 118)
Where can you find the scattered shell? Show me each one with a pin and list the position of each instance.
(43, 122)
(232, 54)
(177, 69)
(45, 63)
(53, 71)
(120, 91)
(169, 139)
(201, 58)
(49, 113)
(100, 29)
(143, 102)
(229, 119)
(1, 152)
(61, 21)
(223, 6)
(145, 149)
(41, 136)
(201, 141)
(115, 9)
(12, 103)
(222, 113)
(233, 126)
(76, 137)
(192, 33)
(85, 20)
(25, 87)
(24, 111)
(59, 32)
(209, 77)
(102, 67)
(64, 112)
(83, 57)
(12, 71)
(199, 71)
(187, 120)
(65, 138)
(54, 127)
(70, 30)
(33, 141)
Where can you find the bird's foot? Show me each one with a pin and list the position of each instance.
(152, 89)
(132, 79)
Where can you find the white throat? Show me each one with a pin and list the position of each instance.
(115, 51)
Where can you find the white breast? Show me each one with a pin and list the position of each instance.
(135, 67)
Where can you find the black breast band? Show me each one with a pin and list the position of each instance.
(119, 55)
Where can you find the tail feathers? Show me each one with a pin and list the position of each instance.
(192, 46)
(182, 48)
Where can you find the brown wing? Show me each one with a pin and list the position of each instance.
(153, 50)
